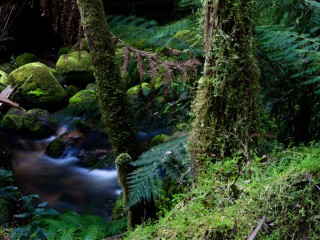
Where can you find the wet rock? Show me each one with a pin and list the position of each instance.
(58, 146)
(90, 158)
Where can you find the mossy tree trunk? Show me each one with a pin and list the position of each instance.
(114, 105)
(112, 96)
(227, 103)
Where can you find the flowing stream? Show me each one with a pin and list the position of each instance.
(63, 182)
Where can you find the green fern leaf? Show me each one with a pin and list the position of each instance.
(145, 182)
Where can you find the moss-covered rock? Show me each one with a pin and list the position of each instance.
(4, 79)
(39, 123)
(92, 157)
(33, 123)
(83, 96)
(76, 68)
(25, 58)
(38, 87)
(56, 148)
(13, 120)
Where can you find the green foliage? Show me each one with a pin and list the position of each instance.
(8, 194)
(168, 158)
(284, 188)
(289, 63)
(286, 47)
(73, 226)
(302, 14)
(133, 30)
(32, 214)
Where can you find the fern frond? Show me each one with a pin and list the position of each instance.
(170, 29)
(116, 226)
(312, 80)
(71, 225)
(141, 65)
(145, 182)
(303, 14)
(297, 51)
(126, 58)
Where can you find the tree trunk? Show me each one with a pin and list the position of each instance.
(226, 107)
(114, 105)
(112, 96)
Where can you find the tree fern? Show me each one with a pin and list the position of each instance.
(168, 158)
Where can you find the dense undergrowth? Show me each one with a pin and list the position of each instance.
(282, 188)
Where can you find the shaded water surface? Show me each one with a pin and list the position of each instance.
(63, 182)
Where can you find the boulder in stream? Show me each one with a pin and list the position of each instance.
(92, 157)
(57, 147)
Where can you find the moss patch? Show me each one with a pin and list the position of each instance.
(285, 190)
(83, 96)
(4, 79)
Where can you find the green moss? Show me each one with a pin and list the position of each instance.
(158, 139)
(13, 120)
(284, 189)
(37, 92)
(83, 96)
(56, 148)
(38, 87)
(4, 79)
(92, 86)
(76, 68)
(227, 106)
(39, 122)
(135, 89)
(118, 209)
(25, 58)
(81, 45)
